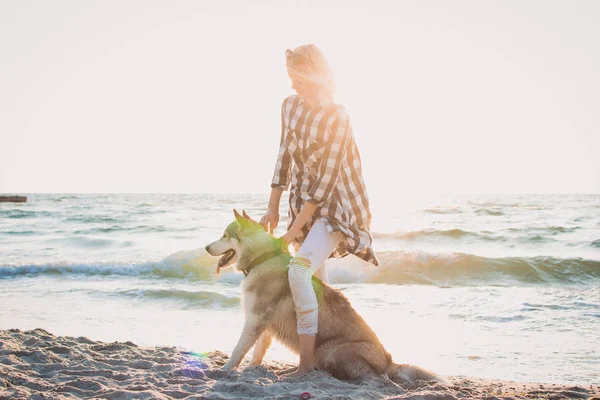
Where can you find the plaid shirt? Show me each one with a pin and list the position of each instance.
(319, 156)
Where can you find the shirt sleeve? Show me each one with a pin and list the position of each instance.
(281, 175)
(331, 162)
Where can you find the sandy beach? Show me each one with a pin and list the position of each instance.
(36, 364)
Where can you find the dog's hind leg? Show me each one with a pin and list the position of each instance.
(252, 330)
(261, 347)
(351, 366)
(356, 360)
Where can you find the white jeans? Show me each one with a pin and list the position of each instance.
(310, 257)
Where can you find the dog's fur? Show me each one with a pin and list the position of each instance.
(346, 347)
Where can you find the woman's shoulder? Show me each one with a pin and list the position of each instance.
(339, 112)
(288, 105)
(291, 99)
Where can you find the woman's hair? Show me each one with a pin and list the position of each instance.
(309, 62)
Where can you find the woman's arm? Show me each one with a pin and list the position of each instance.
(305, 215)
(274, 199)
(281, 178)
(270, 220)
(283, 166)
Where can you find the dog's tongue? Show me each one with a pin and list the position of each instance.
(225, 258)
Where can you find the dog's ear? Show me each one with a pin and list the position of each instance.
(238, 217)
(248, 217)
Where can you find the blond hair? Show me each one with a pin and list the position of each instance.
(308, 62)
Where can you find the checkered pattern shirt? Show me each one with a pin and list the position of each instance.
(319, 157)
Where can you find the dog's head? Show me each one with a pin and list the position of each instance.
(239, 240)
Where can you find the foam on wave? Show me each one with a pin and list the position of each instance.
(397, 267)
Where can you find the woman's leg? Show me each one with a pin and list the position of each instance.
(317, 247)
(322, 272)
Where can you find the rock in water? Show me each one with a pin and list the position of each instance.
(13, 199)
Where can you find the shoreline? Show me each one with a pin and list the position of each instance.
(38, 363)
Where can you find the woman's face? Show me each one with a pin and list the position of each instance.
(305, 89)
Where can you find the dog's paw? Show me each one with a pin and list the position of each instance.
(255, 367)
(229, 366)
(254, 364)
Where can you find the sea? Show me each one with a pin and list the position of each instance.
(493, 286)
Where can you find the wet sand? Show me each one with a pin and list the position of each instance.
(38, 365)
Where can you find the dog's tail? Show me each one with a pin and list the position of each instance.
(409, 374)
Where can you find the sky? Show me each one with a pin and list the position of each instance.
(184, 96)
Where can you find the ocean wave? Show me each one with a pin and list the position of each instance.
(96, 230)
(18, 233)
(537, 239)
(542, 230)
(555, 230)
(83, 241)
(88, 219)
(485, 204)
(535, 235)
(536, 306)
(460, 269)
(501, 319)
(18, 213)
(396, 267)
(67, 197)
(595, 243)
(442, 210)
(526, 206)
(430, 233)
(119, 228)
(487, 211)
(200, 298)
(195, 265)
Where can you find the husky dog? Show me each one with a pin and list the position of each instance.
(346, 347)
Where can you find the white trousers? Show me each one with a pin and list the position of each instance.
(310, 258)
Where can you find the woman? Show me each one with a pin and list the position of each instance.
(329, 207)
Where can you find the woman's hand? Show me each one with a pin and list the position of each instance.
(270, 220)
(289, 236)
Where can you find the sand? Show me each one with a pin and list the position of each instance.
(38, 365)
